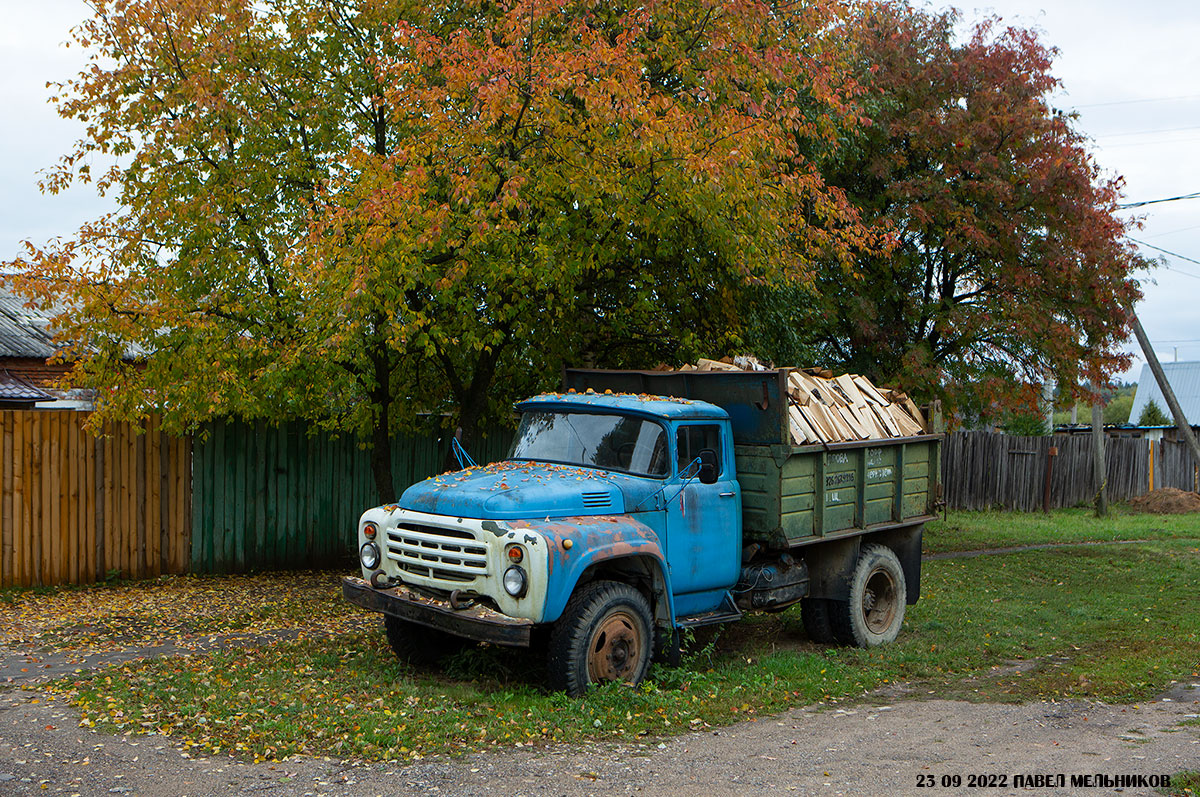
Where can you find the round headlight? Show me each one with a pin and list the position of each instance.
(514, 581)
(369, 555)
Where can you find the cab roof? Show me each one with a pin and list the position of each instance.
(659, 406)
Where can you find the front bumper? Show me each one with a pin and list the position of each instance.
(475, 622)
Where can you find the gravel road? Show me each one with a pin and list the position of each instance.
(846, 749)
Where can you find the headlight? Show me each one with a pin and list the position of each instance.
(514, 581)
(369, 555)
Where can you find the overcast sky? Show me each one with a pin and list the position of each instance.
(1131, 70)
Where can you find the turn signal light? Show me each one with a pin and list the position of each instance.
(370, 530)
(515, 553)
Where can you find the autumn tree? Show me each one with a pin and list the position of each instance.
(1009, 264)
(353, 211)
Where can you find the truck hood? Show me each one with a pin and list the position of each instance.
(513, 490)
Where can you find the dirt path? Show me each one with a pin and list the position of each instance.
(835, 750)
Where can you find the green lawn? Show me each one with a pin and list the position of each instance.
(1111, 622)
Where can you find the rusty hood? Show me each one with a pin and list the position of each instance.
(513, 490)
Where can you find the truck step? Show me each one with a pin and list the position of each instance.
(727, 612)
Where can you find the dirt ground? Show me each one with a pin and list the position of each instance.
(1167, 501)
(889, 746)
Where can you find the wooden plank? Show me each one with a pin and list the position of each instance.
(43, 545)
(7, 463)
(141, 500)
(239, 493)
(868, 390)
(187, 475)
(70, 521)
(260, 474)
(915, 413)
(87, 512)
(163, 458)
(31, 491)
(884, 416)
(801, 432)
(850, 390)
(798, 390)
(129, 523)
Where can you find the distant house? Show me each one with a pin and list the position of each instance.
(26, 345)
(1184, 379)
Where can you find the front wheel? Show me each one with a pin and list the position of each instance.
(416, 644)
(878, 595)
(604, 634)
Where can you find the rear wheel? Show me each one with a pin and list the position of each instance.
(878, 596)
(604, 634)
(817, 614)
(417, 644)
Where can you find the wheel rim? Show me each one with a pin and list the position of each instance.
(616, 648)
(879, 604)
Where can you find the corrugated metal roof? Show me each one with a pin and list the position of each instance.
(14, 388)
(23, 332)
(1184, 379)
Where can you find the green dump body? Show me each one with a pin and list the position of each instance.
(798, 495)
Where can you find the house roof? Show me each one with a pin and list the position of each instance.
(1184, 379)
(24, 332)
(14, 388)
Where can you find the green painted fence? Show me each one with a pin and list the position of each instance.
(268, 496)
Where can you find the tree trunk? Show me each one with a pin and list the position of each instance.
(381, 437)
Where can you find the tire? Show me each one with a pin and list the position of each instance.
(817, 614)
(878, 595)
(416, 644)
(604, 634)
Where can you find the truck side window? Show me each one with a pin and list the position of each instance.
(691, 440)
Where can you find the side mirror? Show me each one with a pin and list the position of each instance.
(708, 466)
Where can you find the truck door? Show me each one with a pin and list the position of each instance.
(704, 522)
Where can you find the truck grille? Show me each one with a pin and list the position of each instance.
(435, 552)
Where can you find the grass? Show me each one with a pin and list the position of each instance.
(1106, 622)
(1184, 784)
(971, 531)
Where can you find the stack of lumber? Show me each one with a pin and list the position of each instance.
(828, 409)
(824, 408)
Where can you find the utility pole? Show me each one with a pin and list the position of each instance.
(1181, 422)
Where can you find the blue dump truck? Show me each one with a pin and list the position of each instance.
(636, 505)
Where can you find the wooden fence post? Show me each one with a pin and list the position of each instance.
(1099, 472)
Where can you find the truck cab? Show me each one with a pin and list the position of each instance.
(636, 493)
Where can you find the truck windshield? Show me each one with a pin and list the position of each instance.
(613, 442)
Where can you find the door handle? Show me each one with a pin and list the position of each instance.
(726, 495)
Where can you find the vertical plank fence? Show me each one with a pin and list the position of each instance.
(75, 507)
(279, 496)
(984, 470)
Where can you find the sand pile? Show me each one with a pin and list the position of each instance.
(1167, 501)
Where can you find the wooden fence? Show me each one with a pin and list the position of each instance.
(75, 507)
(240, 496)
(277, 496)
(982, 470)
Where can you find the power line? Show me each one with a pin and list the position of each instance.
(1128, 205)
(1150, 132)
(1137, 102)
(1172, 254)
